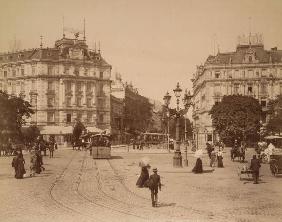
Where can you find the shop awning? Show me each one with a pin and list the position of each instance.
(56, 130)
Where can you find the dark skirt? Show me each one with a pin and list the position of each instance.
(219, 161)
(198, 168)
(20, 170)
(143, 177)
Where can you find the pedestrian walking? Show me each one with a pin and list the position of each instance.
(255, 166)
(209, 149)
(52, 144)
(213, 158)
(18, 163)
(144, 176)
(220, 158)
(154, 185)
(33, 163)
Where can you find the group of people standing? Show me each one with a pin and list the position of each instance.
(153, 182)
(215, 155)
(36, 158)
(36, 164)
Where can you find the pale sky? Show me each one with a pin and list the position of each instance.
(153, 43)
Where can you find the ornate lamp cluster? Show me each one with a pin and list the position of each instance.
(187, 102)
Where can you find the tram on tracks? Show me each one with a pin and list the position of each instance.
(100, 146)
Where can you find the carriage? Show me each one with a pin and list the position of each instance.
(275, 163)
(239, 152)
(100, 146)
(244, 172)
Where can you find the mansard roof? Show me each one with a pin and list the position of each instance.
(61, 51)
(237, 57)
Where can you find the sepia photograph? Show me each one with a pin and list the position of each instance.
(141, 111)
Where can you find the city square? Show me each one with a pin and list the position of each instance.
(127, 110)
(76, 187)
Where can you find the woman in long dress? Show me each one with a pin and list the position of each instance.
(144, 176)
(220, 158)
(18, 164)
(198, 168)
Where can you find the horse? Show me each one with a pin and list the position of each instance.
(238, 152)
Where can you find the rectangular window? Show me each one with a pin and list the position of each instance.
(14, 72)
(33, 70)
(250, 89)
(78, 101)
(217, 75)
(5, 74)
(51, 85)
(78, 86)
(51, 101)
(68, 118)
(85, 71)
(22, 71)
(101, 118)
(89, 102)
(22, 86)
(229, 74)
(66, 70)
(264, 73)
(33, 87)
(13, 88)
(209, 137)
(237, 74)
(89, 117)
(68, 101)
(263, 103)
(236, 88)
(50, 70)
(50, 117)
(263, 89)
(88, 87)
(79, 116)
(250, 73)
(101, 75)
(68, 86)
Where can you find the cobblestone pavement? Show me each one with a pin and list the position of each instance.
(74, 187)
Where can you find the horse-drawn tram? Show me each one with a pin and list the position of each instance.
(100, 146)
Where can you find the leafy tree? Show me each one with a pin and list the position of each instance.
(274, 125)
(30, 134)
(77, 130)
(236, 117)
(13, 114)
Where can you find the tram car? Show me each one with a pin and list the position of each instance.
(101, 146)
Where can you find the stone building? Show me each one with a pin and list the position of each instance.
(132, 113)
(63, 83)
(250, 70)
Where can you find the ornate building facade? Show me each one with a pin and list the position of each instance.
(63, 83)
(250, 70)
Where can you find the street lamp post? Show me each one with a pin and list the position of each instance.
(166, 99)
(177, 158)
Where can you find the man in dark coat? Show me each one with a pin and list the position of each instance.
(154, 185)
(255, 165)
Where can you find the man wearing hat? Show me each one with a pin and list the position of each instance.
(255, 165)
(154, 185)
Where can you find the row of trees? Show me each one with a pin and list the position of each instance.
(13, 114)
(239, 117)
